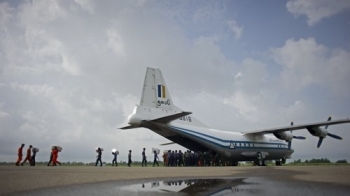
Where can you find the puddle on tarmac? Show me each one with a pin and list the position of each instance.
(209, 186)
(192, 187)
(221, 186)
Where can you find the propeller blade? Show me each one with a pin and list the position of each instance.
(299, 137)
(329, 119)
(319, 142)
(334, 136)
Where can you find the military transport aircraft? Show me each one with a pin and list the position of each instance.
(158, 113)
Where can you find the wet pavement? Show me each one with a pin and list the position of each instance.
(205, 186)
(310, 180)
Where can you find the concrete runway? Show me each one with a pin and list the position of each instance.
(28, 180)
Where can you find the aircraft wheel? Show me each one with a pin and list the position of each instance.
(283, 161)
(259, 158)
(235, 163)
(258, 155)
(278, 163)
(264, 162)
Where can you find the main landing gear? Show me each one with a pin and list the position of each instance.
(260, 161)
(279, 162)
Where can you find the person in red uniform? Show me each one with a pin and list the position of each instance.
(28, 157)
(20, 154)
(55, 156)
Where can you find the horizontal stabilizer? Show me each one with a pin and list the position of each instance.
(128, 127)
(168, 143)
(170, 118)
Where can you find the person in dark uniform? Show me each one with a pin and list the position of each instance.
(114, 159)
(51, 156)
(172, 156)
(33, 157)
(168, 157)
(99, 155)
(155, 158)
(144, 161)
(129, 158)
(20, 155)
(181, 162)
(176, 158)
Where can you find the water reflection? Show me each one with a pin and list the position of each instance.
(193, 187)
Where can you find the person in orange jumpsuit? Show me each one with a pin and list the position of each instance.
(165, 159)
(28, 157)
(55, 156)
(20, 154)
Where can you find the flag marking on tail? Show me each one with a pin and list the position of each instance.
(161, 91)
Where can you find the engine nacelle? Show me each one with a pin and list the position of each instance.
(284, 136)
(318, 132)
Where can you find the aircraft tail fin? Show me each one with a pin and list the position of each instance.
(155, 92)
(156, 105)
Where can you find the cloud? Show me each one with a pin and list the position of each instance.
(115, 42)
(72, 79)
(3, 114)
(86, 5)
(306, 63)
(237, 30)
(316, 10)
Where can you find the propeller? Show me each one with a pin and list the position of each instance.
(296, 137)
(329, 134)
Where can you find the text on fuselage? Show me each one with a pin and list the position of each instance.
(186, 118)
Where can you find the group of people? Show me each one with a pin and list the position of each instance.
(115, 154)
(171, 158)
(189, 158)
(29, 157)
(144, 158)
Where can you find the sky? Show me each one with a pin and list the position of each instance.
(71, 71)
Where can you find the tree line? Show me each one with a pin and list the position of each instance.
(322, 160)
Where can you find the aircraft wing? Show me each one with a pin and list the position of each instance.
(297, 127)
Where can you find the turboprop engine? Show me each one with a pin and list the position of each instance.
(284, 136)
(288, 136)
(322, 133)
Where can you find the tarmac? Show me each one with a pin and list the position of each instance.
(26, 180)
